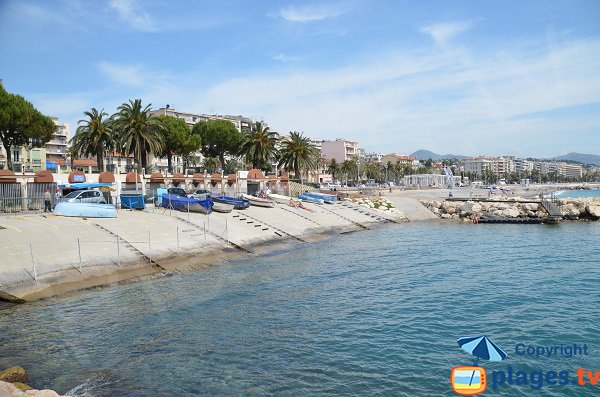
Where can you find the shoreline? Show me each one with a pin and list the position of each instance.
(198, 246)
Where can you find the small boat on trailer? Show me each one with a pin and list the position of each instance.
(220, 207)
(187, 204)
(238, 203)
(327, 198)
(311, 199)
(85, 210)
(257, 201)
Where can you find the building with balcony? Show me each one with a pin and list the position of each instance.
(56, 148)
(478, 166)
(340, 150)
(570, 171)
(373, 157)
(401, 159)
(502, 165)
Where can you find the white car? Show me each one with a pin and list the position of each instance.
(85, 196)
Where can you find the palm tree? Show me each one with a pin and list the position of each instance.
(348, 168)
(94, 136)
(333, 168)
(211, 164)
(259, 145)
(139, 134)
(298, 154)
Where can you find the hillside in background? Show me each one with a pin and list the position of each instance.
(426, 155)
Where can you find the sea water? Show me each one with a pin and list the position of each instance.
(372, 313)
(579, 193)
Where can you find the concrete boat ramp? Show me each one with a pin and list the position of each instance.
(47, 255)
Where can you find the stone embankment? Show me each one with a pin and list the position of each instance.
(571, 208)
(12, 384)
(377, 204)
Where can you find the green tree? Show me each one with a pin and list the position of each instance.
(178, 140)
(210, 165)
(298, 154)
(94, 136)
(348, 169)
(219, 138)
(231, 166)
(138, 133)
(333, 168)
(259, 145)
(22, 124)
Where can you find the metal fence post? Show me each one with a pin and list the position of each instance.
(118, 252)
(177, 240)
(33, 262)
(79, 251)
(150, 247)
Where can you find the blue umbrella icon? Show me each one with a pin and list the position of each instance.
(481, 347)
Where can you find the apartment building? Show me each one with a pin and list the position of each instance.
(373, 157)
(241, 123)
(403, 159)
(571, 171)
(523, 166)
(502, 165)
(56, 148)
(478, 166)
(340, 150)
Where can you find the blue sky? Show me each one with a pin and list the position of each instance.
(463, 77)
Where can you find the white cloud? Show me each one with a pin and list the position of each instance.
(131, 75)
(442, 33)
(313, 12)
(285, 58)
(130, 12)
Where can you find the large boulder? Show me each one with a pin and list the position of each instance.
(503, 206)
(511, 212)
(530, 206)
(593, 210)
(13, 374)
(446, 216)
(449, 207)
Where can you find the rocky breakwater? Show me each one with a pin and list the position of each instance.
(580, 208)
(12, 384)
(378, 204)
(571, 209)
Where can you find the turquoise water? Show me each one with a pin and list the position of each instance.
(373, 313)
(579, 193)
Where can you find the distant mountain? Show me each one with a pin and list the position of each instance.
(580, 157)
(426, 155)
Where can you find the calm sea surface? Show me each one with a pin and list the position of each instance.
(374, 313)
(579, 193)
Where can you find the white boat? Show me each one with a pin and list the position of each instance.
(85, 210)
(278, 198)
(220, 207)
(257, 201)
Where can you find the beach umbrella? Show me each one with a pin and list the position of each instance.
(481, 347)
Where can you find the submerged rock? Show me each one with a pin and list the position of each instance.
(13, 374)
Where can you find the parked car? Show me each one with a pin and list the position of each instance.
(200, 194)
(85, 196)
(177, 191)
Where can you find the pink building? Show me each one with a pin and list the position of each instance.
(340, 150)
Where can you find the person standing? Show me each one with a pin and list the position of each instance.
(47, 201)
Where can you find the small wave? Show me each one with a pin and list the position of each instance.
(90, 384)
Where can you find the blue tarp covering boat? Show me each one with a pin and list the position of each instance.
(328, 198)
(238, 203)
(186, 204)
(85, 210)
(310, 199)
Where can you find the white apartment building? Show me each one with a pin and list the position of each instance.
(522, 165)
(404, 159)
(242, 124)
(373, 157)
(478, 166)
(56, 148)
(502, 165)
(340, 150)
(571, 171)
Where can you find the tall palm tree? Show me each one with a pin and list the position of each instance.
(348, 169)
(94, 136)
(259, 145)
(333, 168)
(298, 154)
(139, 134)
